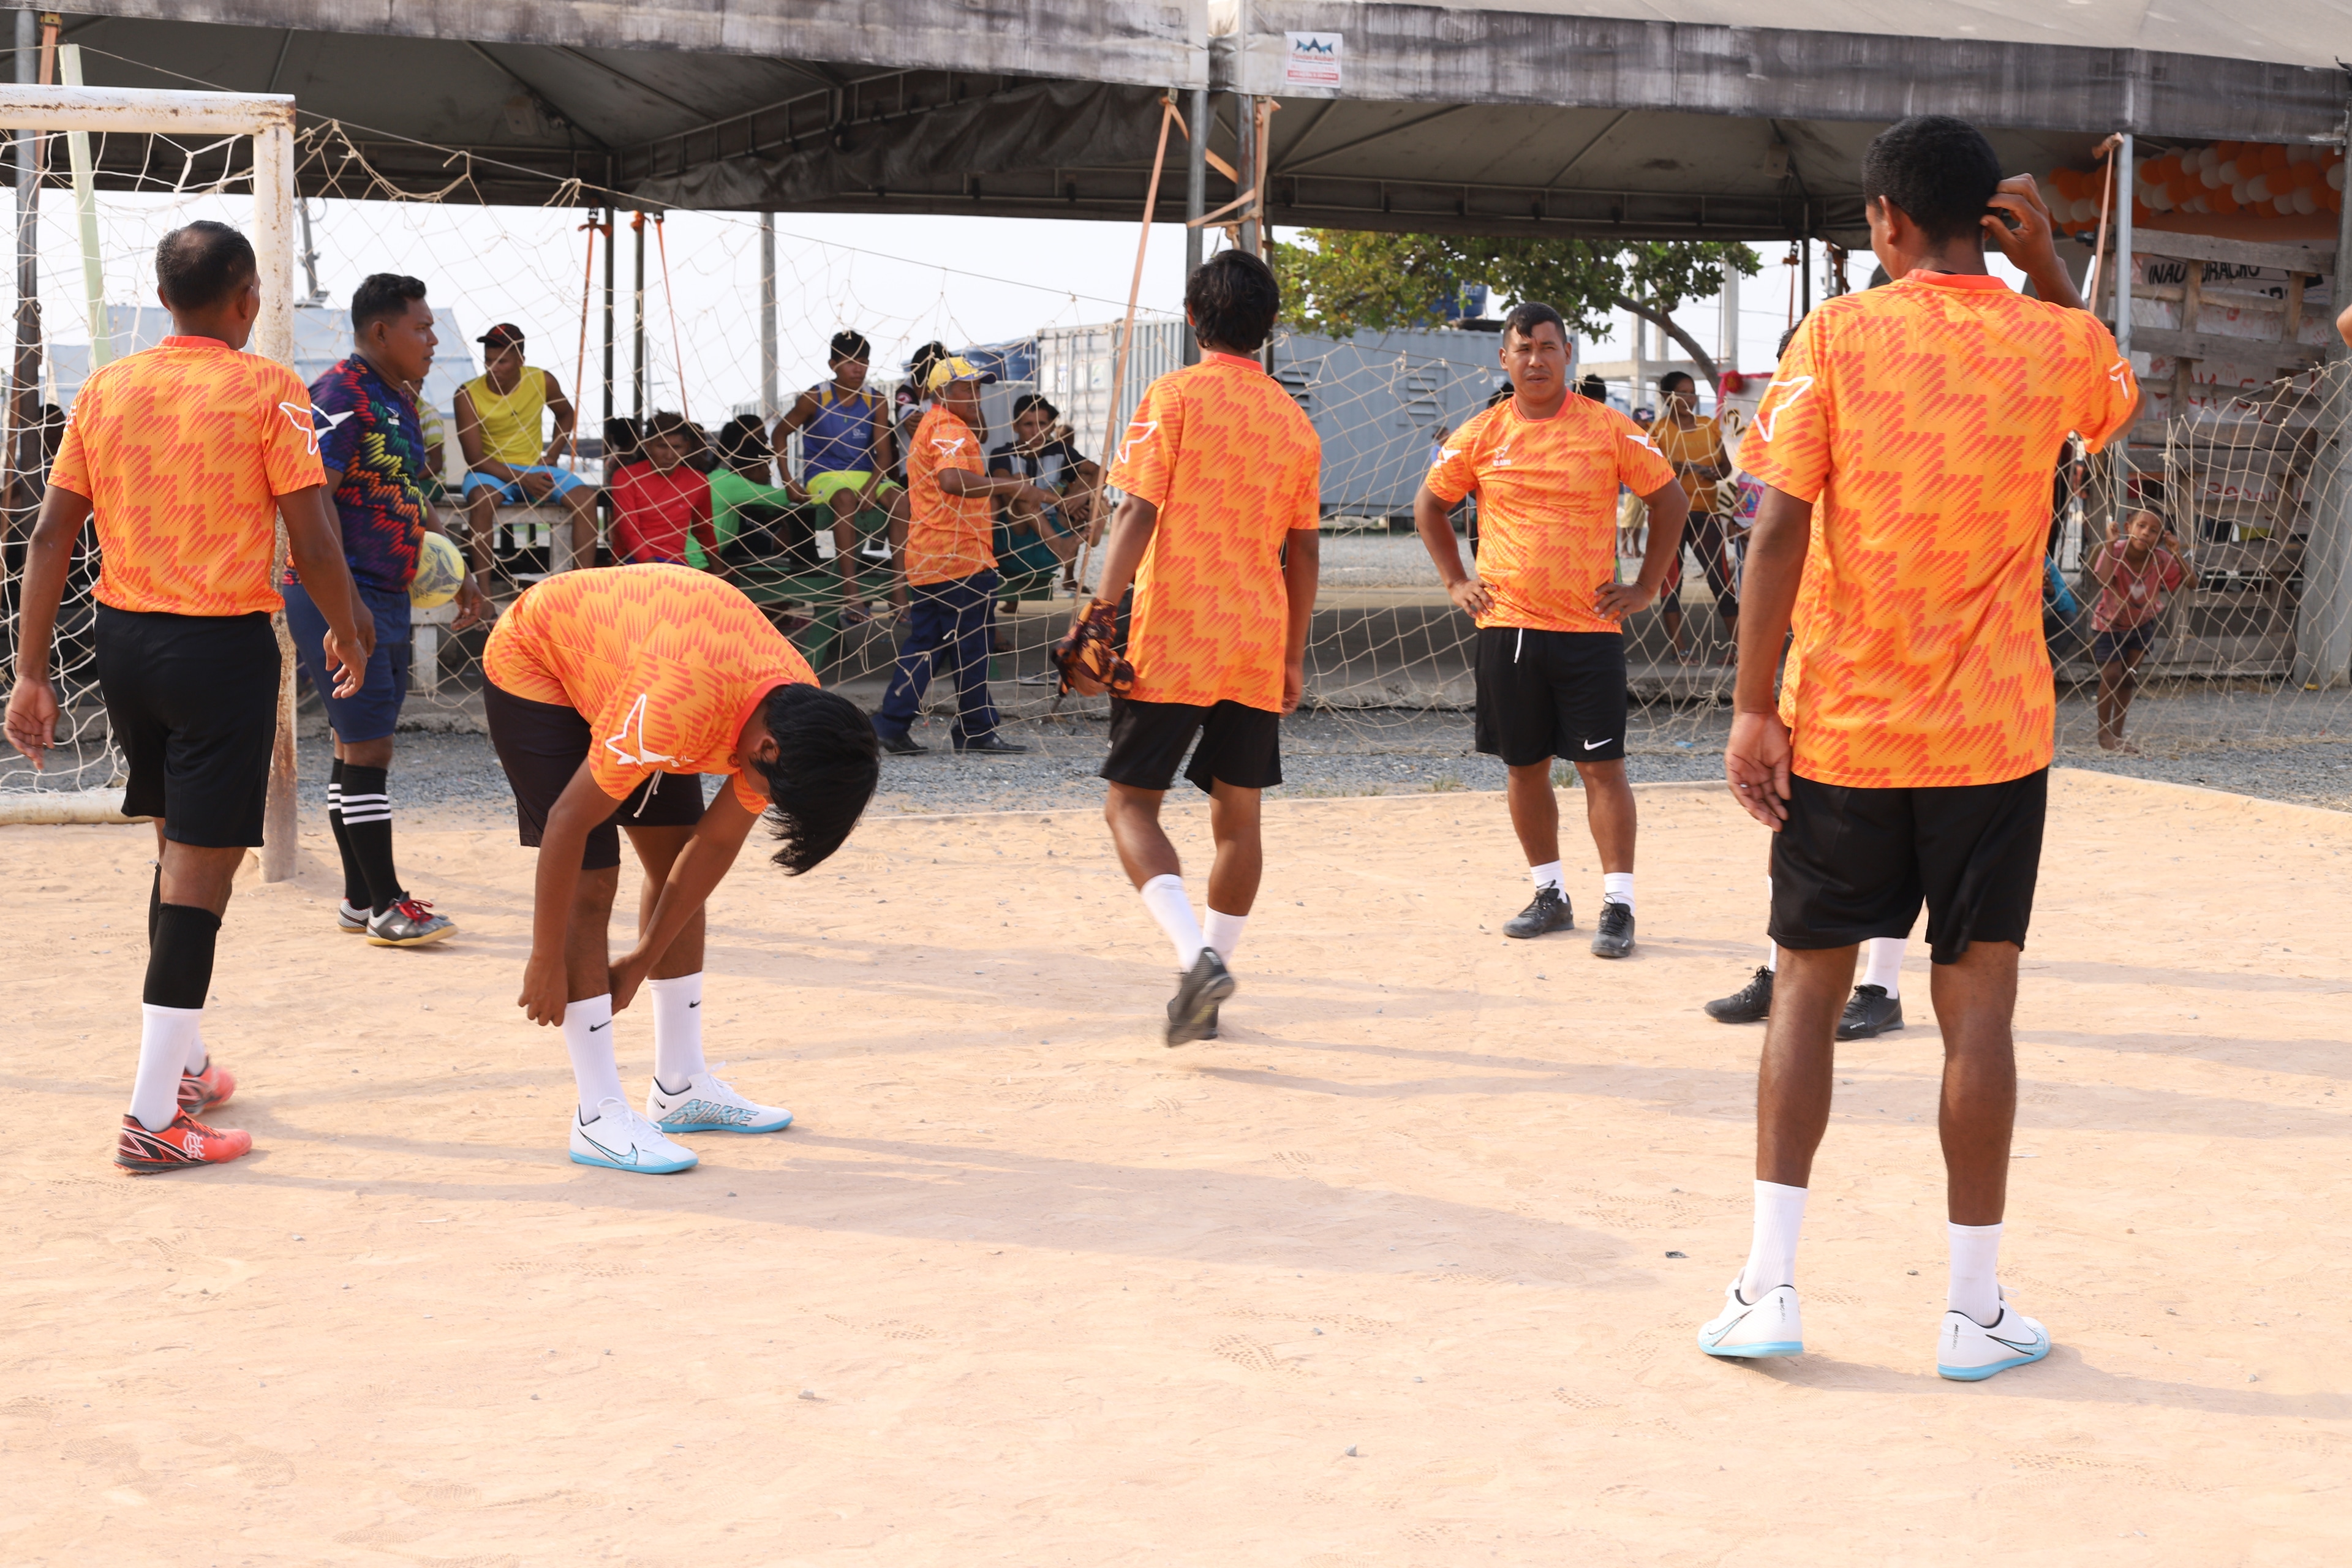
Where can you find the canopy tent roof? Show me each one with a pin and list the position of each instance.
(1664, 118)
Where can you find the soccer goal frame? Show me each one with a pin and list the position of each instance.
(269, 120)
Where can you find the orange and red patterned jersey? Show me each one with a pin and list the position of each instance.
(1924, 420)
(1547, 505)
(948, 537)
(665, 662)
(183, 451)
(1233, 467)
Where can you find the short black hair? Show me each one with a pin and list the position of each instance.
(1667, 381)
(620, 439)
(1029, 400)
(1939, 169)
(744, 441)
(1594, 388)
(827, 763)
(1233, 300)
(918, 369)
(382, 295)
(201, 264)
(665, 422)
(1529, 314)
(849, 345)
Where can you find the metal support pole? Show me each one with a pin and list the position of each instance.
(1805, 277)
(2322, 616)
(1196, 201)
(93, 271)
(609, 270)
(2124, 181)
(1727, 348)
(637, 331)
(1246, 131)
(273, 337)
(767, 408)
(25, 383)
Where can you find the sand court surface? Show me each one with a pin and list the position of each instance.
(1403, 1270)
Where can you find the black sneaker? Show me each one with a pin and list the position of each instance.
(989, 745)
(1194, 1009)
(1615, 937)
(1751, 1003)
(1549, 911)
(1869, 1012)
(899, 745)
(1208, 1033)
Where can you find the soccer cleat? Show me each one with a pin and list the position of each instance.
(1208, 1032)
(1615, 937)
(408, 922)
(621, 1139)
(1772, 1325)
(349, 918)
(1549, 911)
(1751, 1003)
(185, 1141)
(200, 1092)
(1967, 1351)
(1194, 1007)
(1869, 1012)
(710, 1104)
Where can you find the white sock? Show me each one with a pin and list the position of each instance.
(1617, 888)
(1771, 948)
(1772, 1255)
(1223, 932)
(1975, 1286)
(197, 1055)
(677, 1032)
(588, 1036)
(1883, 962)
(164, 1033)
(1547, 875)
(1164, 897)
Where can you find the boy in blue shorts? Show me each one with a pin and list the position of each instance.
(848, 450)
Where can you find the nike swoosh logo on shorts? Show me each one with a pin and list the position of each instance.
(1596, 746)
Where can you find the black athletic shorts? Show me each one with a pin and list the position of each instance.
(1552, 694)
(542, 746)
(1239, 744)
(193, 701)
(1855, 863)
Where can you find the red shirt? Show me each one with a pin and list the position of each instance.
(653, 510)
(2132, 595)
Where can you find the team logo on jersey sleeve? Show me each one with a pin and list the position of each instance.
(312, 421)
(1778, 399)
(1138, 434)
(632, 754)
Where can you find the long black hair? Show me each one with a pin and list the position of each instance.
(827, 762)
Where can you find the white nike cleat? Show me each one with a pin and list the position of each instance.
(1770, 1326)
(710, 1104)
(621, 1139)
(1967, 1351)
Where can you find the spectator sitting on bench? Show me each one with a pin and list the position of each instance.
(663, 503)
(744, 499)
(1032, 539)
(507, 461)
(848, 448)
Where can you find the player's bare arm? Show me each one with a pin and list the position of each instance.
(967, 482)
(1669, 508)
(1131, 527)
(578, 811)
(2027, 241)
(314, 540)
(697, 872)
(1433, 517)
(1755, 760)
(1302, 565)
(470, 441)
(567, 420)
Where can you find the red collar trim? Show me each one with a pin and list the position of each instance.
(1977, 280)
(1210, 357)
(196, 343)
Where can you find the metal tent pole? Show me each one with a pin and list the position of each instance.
(768, 409)
(2323, 620)
(2124, 181)
(1196, 201)
(609, 270)
(23, 392)
(637, 332)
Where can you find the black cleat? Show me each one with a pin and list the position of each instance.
(899, 745)
(1869, 1013)
(1192, 1012)
(989, 745)
(1751, 1003)
(1549, 911)
(1615, 937)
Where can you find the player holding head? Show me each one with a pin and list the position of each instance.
(371, 441)
(848, 450)
(1218, 535)
(1906, 440)
(1551, 648)
(185, 455)
(609, 693)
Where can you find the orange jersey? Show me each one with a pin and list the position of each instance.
(182, 452)
(1232, 466)
(665, 662)
(948, 537)
(1547, 505)
(1924, 420)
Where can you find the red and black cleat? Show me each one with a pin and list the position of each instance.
(200, 1092)
(187, 1141)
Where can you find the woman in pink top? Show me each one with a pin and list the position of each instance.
(2134, 570)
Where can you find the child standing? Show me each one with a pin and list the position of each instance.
(2135, 569)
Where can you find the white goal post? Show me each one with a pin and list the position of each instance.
(268, 119)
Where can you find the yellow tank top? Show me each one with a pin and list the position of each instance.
(511, 421)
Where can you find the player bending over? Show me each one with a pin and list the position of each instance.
(1906, 442)
(185, 455)
(1219, 535)
(1552, 646)
(609, 693)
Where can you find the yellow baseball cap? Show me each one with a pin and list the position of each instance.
(955, 367)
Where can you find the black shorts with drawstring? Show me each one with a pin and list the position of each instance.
(542, 746)
(1550, 694)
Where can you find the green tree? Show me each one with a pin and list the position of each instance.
(1340, 281)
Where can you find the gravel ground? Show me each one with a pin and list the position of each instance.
(1391, 753)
